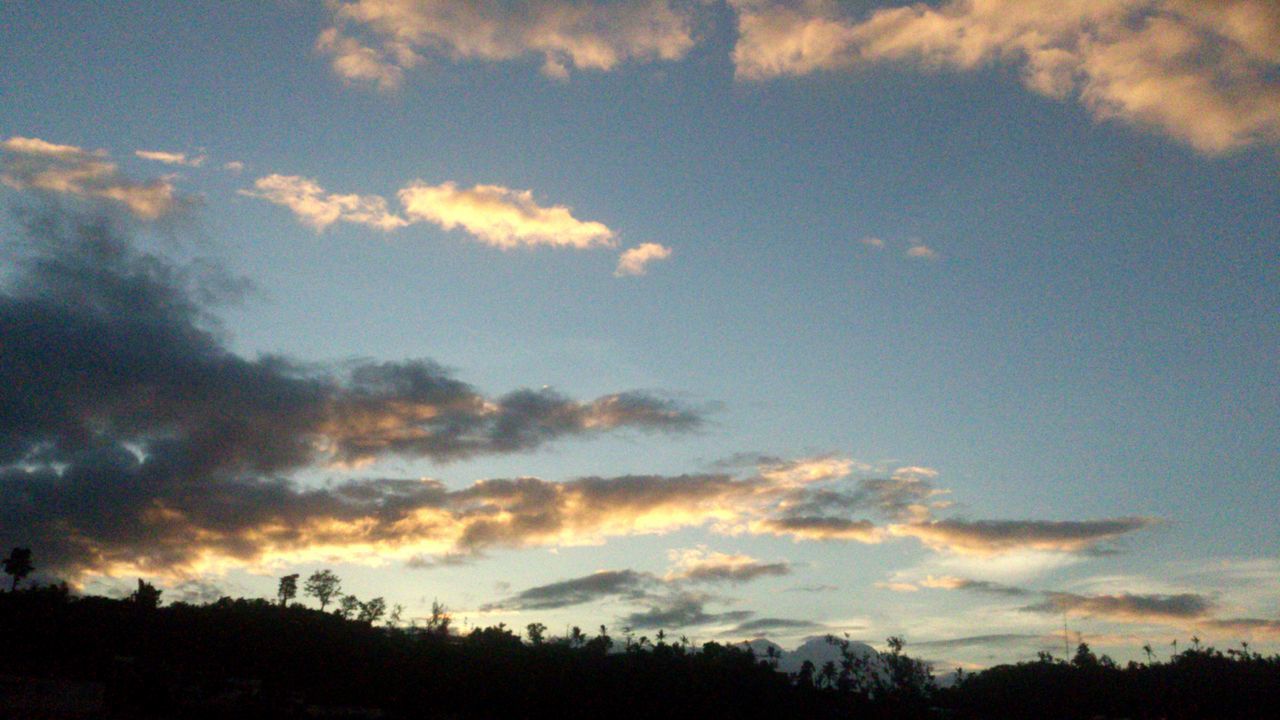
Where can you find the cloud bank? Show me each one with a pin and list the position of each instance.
(131, 437)
(132, 440)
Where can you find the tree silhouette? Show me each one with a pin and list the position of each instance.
(438, 623)
(348, 606)
(288, 589)
(536, 631)
(147, 596)
(372, 611)
(324, 586)
(18, 564)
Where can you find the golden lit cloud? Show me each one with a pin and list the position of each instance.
(1203, 73)
(34, 164)
(564, 34)
(356, 63)
(501, 217)
(635, 261)
(319, 209)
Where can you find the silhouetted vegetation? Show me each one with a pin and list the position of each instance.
(1199, 682)
(263, 658)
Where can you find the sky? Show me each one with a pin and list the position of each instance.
(956, 321)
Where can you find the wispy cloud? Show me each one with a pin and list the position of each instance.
(922, 252)
(635, 261)
(319, 209)
(171, 158)
(565, 34)
(35, 164)
(771, 624)
(576, 591)
(1203, 73)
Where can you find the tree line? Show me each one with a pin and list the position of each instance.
(247, 658)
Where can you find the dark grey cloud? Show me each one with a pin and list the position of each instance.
(1261, 626)
(907, 494)
(702, 566)
(1130, 607)
(130, 435)
(764, 625)
(980, 586)
(680, 611)
(736, 573)
(1001, 640)
(985, 537)
(195, 592)
(811, 527)
(596, 586)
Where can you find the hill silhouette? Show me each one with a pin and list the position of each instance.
(68, 656)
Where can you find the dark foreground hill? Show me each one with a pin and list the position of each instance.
(67, 657)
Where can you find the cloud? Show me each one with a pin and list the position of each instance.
(501, 217)
(132, 439)
(171, 158)
(596, 586)
(635, 261)
(991, 537)
(1126, 607)
(950, 582)
(872, 242)
(319, 209)
(34, 164)
(684, 610)
(234, 166)
(922, 252)
(701, 565)
(1250, 627)
(820, 528)
(1202, 73)
(901, 587)
(765, 625)
(1001, 640)
(492, 214)
(356, 63)
(195, 592)
(565, 34)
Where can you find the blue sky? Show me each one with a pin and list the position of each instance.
(948, 320)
